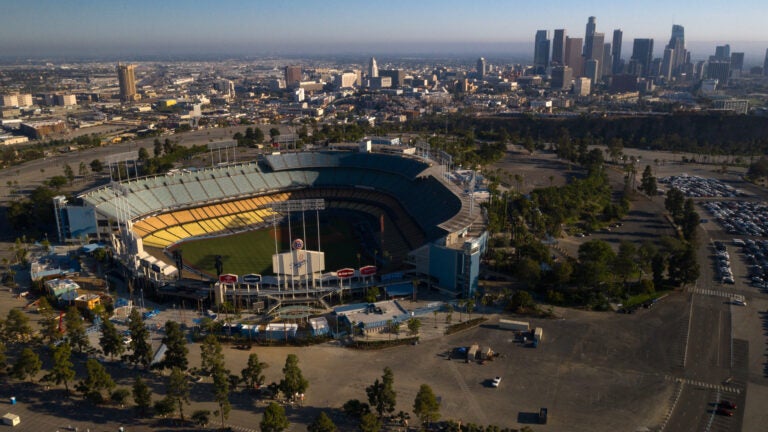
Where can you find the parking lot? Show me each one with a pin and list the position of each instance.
(740, 217)
(697, 186)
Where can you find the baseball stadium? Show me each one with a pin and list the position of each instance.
(296, 225)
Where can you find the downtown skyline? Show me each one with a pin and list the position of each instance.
(88, 28)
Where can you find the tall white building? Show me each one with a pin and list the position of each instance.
(373, 69)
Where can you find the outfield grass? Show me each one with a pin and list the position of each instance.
(251, 252)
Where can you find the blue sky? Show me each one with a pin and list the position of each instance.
(70, 27)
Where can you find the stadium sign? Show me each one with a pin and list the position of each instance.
(345, 273)
(250, 279)
(298, 244)
(368, 270)
(228, 279)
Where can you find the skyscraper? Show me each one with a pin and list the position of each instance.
(642, 53)
(592, 69)
(591, 25)
(481, 67)
(541, 51)
(561, 78)
(765, 63)
(292, 75)
(127, 79)
(573, 56)
(667, 63)
(723, 52)
(596, 53)
(617, 64)
(373, 69)
(558, 47)
(607, 69)
(737, 61)
(679, 55)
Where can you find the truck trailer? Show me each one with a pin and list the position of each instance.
(518, 326)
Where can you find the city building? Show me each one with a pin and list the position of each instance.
(616, 62)
(739, 106)
(765, 63)
(737, 63)
(481, 68)
(66, 100)
(561, 78)
(667, 63)
(126, 76)
(541, 51)
(723, 52)
(582, 86)
(573, 57)
(607, 68)
(42, 128)
(346, 80)
(592, 69)
(679, 55)
(597, 49)
(373, 68)
(642, 54)
(397, 76)
(719, 70)
(624, 83)
(558, 47)
(590, 31)
(10, 100)
(293, 75)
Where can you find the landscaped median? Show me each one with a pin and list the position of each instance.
(455, 328)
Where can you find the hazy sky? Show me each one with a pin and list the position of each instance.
(136, 27)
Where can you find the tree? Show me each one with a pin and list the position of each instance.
(120, 396)
(253, 372)
(201, 417)
(69, 173)
(369, 423)
(96, 379)
(625, 264)
(520, 300)
(49, 323)
(210, 354)
(165, 407)
(3, 357)
(82, 169)
(689, 221)
(414, 325)
(76, 329)
(674, 204)
(27, 365)
(274, 133)
(142, 350)
(176, 353)
(322, 423)
(97, 166)
(110, 340)
(17, 328)
(595, 257)
(258, 135)
(177, 389)
(157, 148)
(381, 394)
(212, 361)
(143, 154)
(648, 182)
(62, 370)
(142, 395)
(425, 406)
(274, 419)
(356, 409)
(293, 382)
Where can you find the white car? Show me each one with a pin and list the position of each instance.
(496, 381)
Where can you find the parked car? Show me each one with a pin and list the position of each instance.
(496, 381)
(727, 404)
